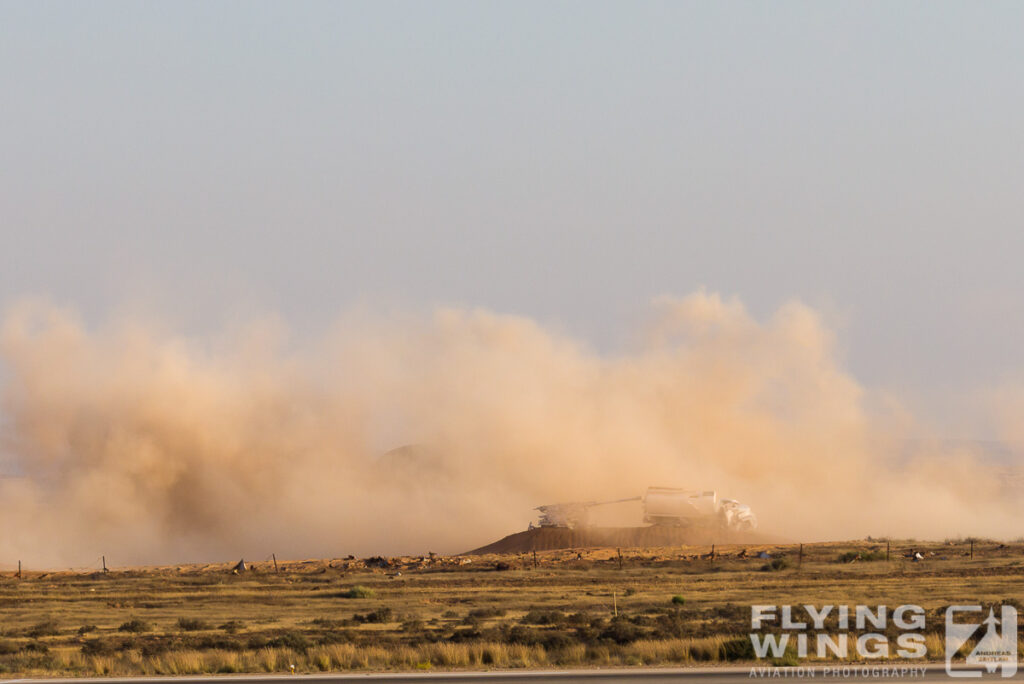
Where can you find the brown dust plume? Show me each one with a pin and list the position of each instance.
(129, 440)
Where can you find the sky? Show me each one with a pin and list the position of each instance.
(565, 161)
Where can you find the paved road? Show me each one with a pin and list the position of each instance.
(919, 674)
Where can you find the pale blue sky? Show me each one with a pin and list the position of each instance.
(563, 160)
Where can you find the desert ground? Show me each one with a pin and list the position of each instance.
(572, 607)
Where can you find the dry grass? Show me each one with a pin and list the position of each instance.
(347, 657)
(457, 615)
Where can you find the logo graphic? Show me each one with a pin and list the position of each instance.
(996, 646)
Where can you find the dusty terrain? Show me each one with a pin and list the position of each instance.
(570, 607)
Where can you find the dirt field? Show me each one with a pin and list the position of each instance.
(570, 607)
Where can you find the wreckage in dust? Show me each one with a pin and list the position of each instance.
(662, 506)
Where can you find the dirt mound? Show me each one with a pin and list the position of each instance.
(551, 538)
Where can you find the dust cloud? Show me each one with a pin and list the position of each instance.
(135, 442)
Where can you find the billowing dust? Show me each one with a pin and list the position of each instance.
(135, 442)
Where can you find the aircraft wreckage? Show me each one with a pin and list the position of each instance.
(662, 506)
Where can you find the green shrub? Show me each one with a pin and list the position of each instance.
(212, 642)
(622, 631)
(543, 617)
(556, 640)
(851, 556)
(679, 600)
(413, 625)
(192, 624)
(671, 625)
(519, 634)
(578, 619)
(97, 647)
(134, 626)
(739, 648)
(293, 640)
(256, 642)
(358, 592)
